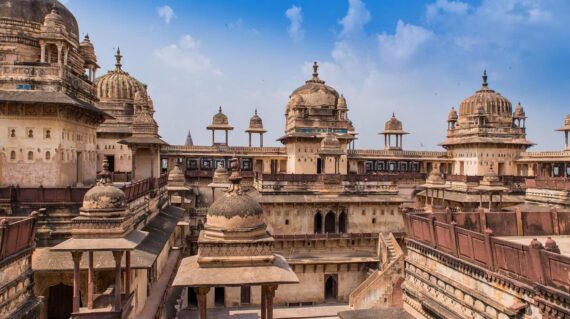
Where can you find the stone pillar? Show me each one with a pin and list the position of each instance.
(249, 135)
(76, 256)
(90, 282)
(128, 274)
(118, 257)
(261, 140)
(213, 137)
(489, 249)
(42, 51)
(518, 214)
(270, 295)
(263, 302)
(227, 137)
(59, 49)
(201, 294)
(535, 252)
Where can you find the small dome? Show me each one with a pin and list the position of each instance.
(497, 107)
(519, 111)
(341, 102)
(220, 118)
(235, 210)
(393, 124)
(104, 196)
(315, 93)
(119, 85)
(452, 117)
(87, 50)
(176, 176)
(567, 120)
(221, 176)
(255, 122)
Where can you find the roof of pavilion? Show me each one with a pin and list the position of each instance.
(190, 274)
(159, 229)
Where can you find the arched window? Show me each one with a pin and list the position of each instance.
(48, 133)
(318, 223)
(342, 223)
(13, 133)
(30, 133)
(48, 155)
(330, 220)
(13, 155)
(30, 156)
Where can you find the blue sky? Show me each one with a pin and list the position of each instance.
(416, 58)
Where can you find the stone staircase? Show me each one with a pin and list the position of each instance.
(382, 287)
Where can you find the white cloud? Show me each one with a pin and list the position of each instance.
(405, 42)
(187, 54)
(295, 16)
(166, 13)
(356, 18)
(446, 6)
(240, 25)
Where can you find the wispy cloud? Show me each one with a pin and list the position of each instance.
(404, 43)
(446, 6)
(240, 25)
(187, 54)
(295, 16)
(166, 13)
(356, 18)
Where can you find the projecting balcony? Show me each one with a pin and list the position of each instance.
(103, 308)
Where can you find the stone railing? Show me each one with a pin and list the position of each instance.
(546, 154)
(553, 183)
(16, 234)
(531, 264)
(396, 153)
(377, 289)
(220, 148)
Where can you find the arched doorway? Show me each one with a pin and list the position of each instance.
(192, 298)
(60, 301)
(342, 223)
(318, 223)
(331, 288)
(330, 223)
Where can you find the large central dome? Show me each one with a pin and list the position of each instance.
(36, 10)
(496, 107)
(315, 93)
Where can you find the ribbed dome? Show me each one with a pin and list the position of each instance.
(235, 210)
(36, 11)
(255, 121)
(315, 93)
(88, 50)
(220, 118)
(519, 111)
(497, 107)
(393, 124)
(118, 84)
(452, 115)
(104, 196)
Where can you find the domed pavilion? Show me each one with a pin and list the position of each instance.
(235, 250)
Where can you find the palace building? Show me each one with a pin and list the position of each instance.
(101, 218)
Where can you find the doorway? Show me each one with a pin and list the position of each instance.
(331, 288)
(219, 296)
(192, 298)
(330, 223)
(60, 301)
(319, 166)
(318, 223)
(342, 223)
(79, 168)
(245, 298)
(111, 160)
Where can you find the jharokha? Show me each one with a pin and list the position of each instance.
(101, 218)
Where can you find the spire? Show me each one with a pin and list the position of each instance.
(220, 109)
(315, 71)
(255, 111)
(189, 141)
(235, 177)
(485, 84)
(394, 114)
(118, 56)
(105, 173)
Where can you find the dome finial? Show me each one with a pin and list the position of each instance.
(255, 111)
(235, 177)
(315, 71)
(220, 109)
(118, 56)
(105, 173)
(485, 84)
(393, 114)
